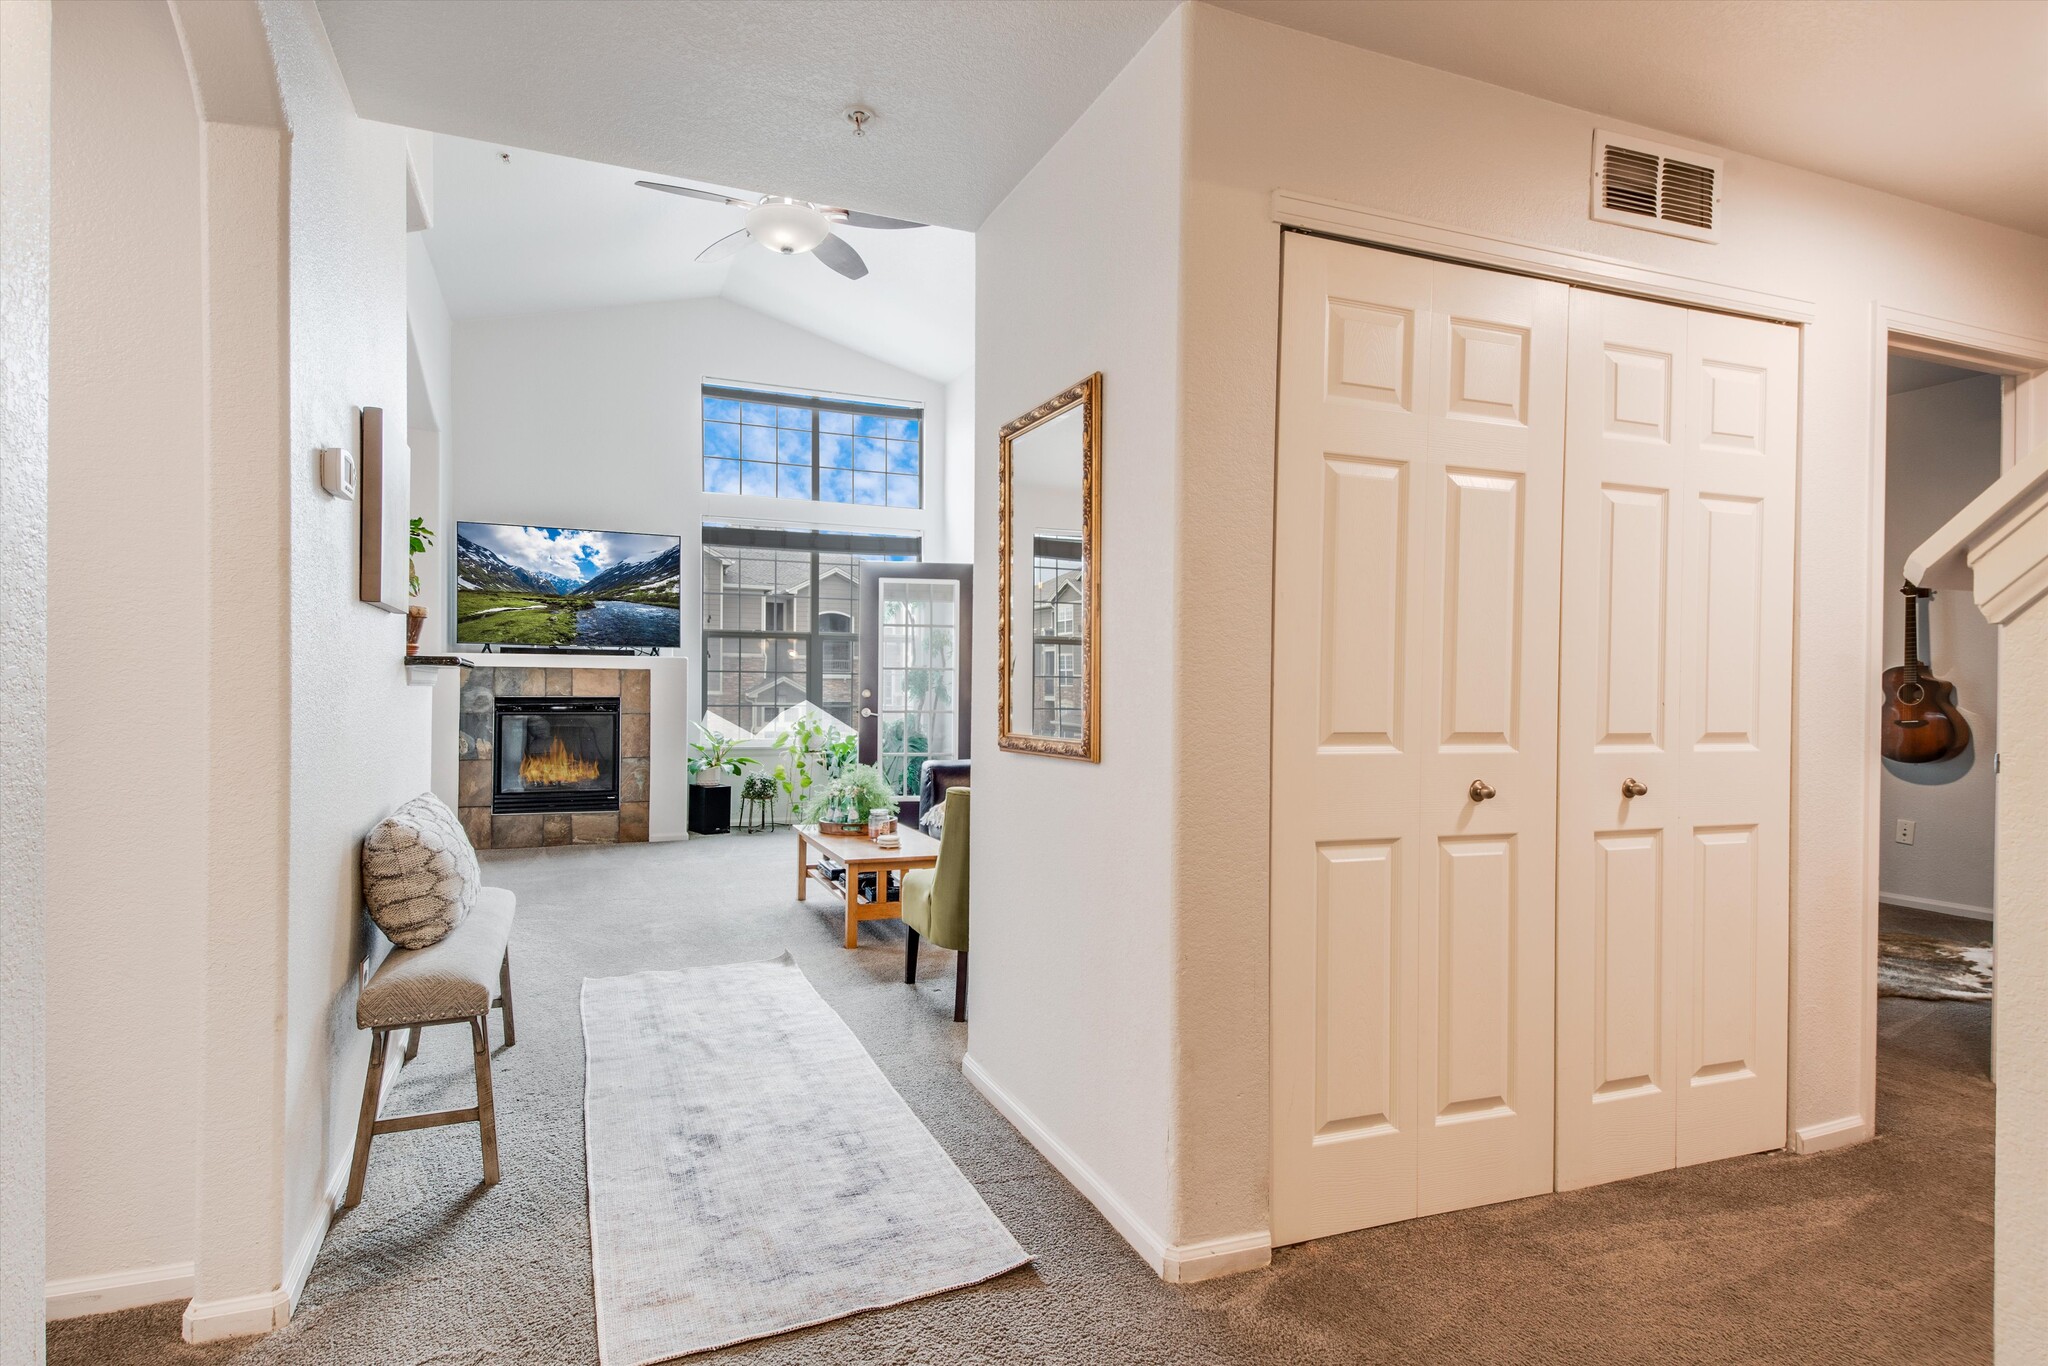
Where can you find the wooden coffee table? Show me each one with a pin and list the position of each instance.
(857, 854)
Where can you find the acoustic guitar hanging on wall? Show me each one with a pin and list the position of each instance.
(1921, 723)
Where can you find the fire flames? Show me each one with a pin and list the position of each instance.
(557, 765)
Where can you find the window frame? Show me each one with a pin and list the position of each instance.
(817, 405)
(901, 547)
(1059, 555)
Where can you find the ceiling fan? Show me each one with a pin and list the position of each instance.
(789, 226)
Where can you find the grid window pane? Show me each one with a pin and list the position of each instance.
(1057, 602)
(917, 677)
(820, 450)
(779, 629)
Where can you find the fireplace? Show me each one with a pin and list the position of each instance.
(556, 754)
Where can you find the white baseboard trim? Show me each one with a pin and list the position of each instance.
(238, 1317)
(1928, 903)
(76, 1296)
(299, 1269)
(1181, 1263)
(246, 1315)
(1186, 1263)
(1835, 1133)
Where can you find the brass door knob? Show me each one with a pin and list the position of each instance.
(1479, 790)
(1631, 788)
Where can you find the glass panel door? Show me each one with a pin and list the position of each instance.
(920, 709)
(914, 702)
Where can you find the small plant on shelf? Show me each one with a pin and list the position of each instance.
(416, 615)
(422, 537)
(712, 758)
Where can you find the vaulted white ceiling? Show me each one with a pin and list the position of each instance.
(517, 231)
(968, 94)
(1946, 103)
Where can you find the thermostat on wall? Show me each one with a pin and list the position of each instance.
(337, 472)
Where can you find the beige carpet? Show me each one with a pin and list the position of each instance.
(1879, 1253)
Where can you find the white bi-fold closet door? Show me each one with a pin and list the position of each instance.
(1490, 968)
(1419, 501)
(1675, 771)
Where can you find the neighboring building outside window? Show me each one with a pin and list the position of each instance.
(1057, 608)
(816, 448)
(780, 613)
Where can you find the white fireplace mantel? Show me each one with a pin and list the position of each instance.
(1997, 548)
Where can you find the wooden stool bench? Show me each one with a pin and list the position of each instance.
(445, 983)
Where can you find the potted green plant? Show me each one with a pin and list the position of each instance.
(416, 615)
(801, 743)
(712, 759)
(842, 805)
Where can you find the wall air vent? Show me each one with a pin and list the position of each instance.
(1647, 185)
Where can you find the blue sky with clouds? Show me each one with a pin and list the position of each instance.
(563, 552)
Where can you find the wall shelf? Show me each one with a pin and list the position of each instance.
(425, 668)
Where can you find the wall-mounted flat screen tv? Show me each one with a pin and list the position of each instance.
(557, 586)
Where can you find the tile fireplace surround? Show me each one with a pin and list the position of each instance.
(481, 689)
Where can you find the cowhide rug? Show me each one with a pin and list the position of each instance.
(1932, 969)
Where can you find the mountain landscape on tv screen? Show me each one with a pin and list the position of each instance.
(524, 585)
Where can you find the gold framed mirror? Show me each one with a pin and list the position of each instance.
(1049, 577)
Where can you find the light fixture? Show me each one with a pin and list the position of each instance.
(787, 226)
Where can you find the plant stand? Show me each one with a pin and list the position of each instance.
(758, 795)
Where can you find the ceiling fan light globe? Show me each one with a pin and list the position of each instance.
(787, 228)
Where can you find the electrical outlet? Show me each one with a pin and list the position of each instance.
(1904, 833)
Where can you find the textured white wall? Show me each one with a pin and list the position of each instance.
(1273, 109)
(1941, 450)
(24, 463)
(591, 419)
(127, 850)
(359, 736)
(2020, 1219)
(242, 340)
(961, 427)
(430, 403)
(1078, 270)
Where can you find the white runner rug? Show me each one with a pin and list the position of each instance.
(752, 1171)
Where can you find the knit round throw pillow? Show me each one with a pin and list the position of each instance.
(419, 873)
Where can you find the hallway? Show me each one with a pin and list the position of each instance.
(1876, 1253)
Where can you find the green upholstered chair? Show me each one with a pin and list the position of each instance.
(935, 900)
